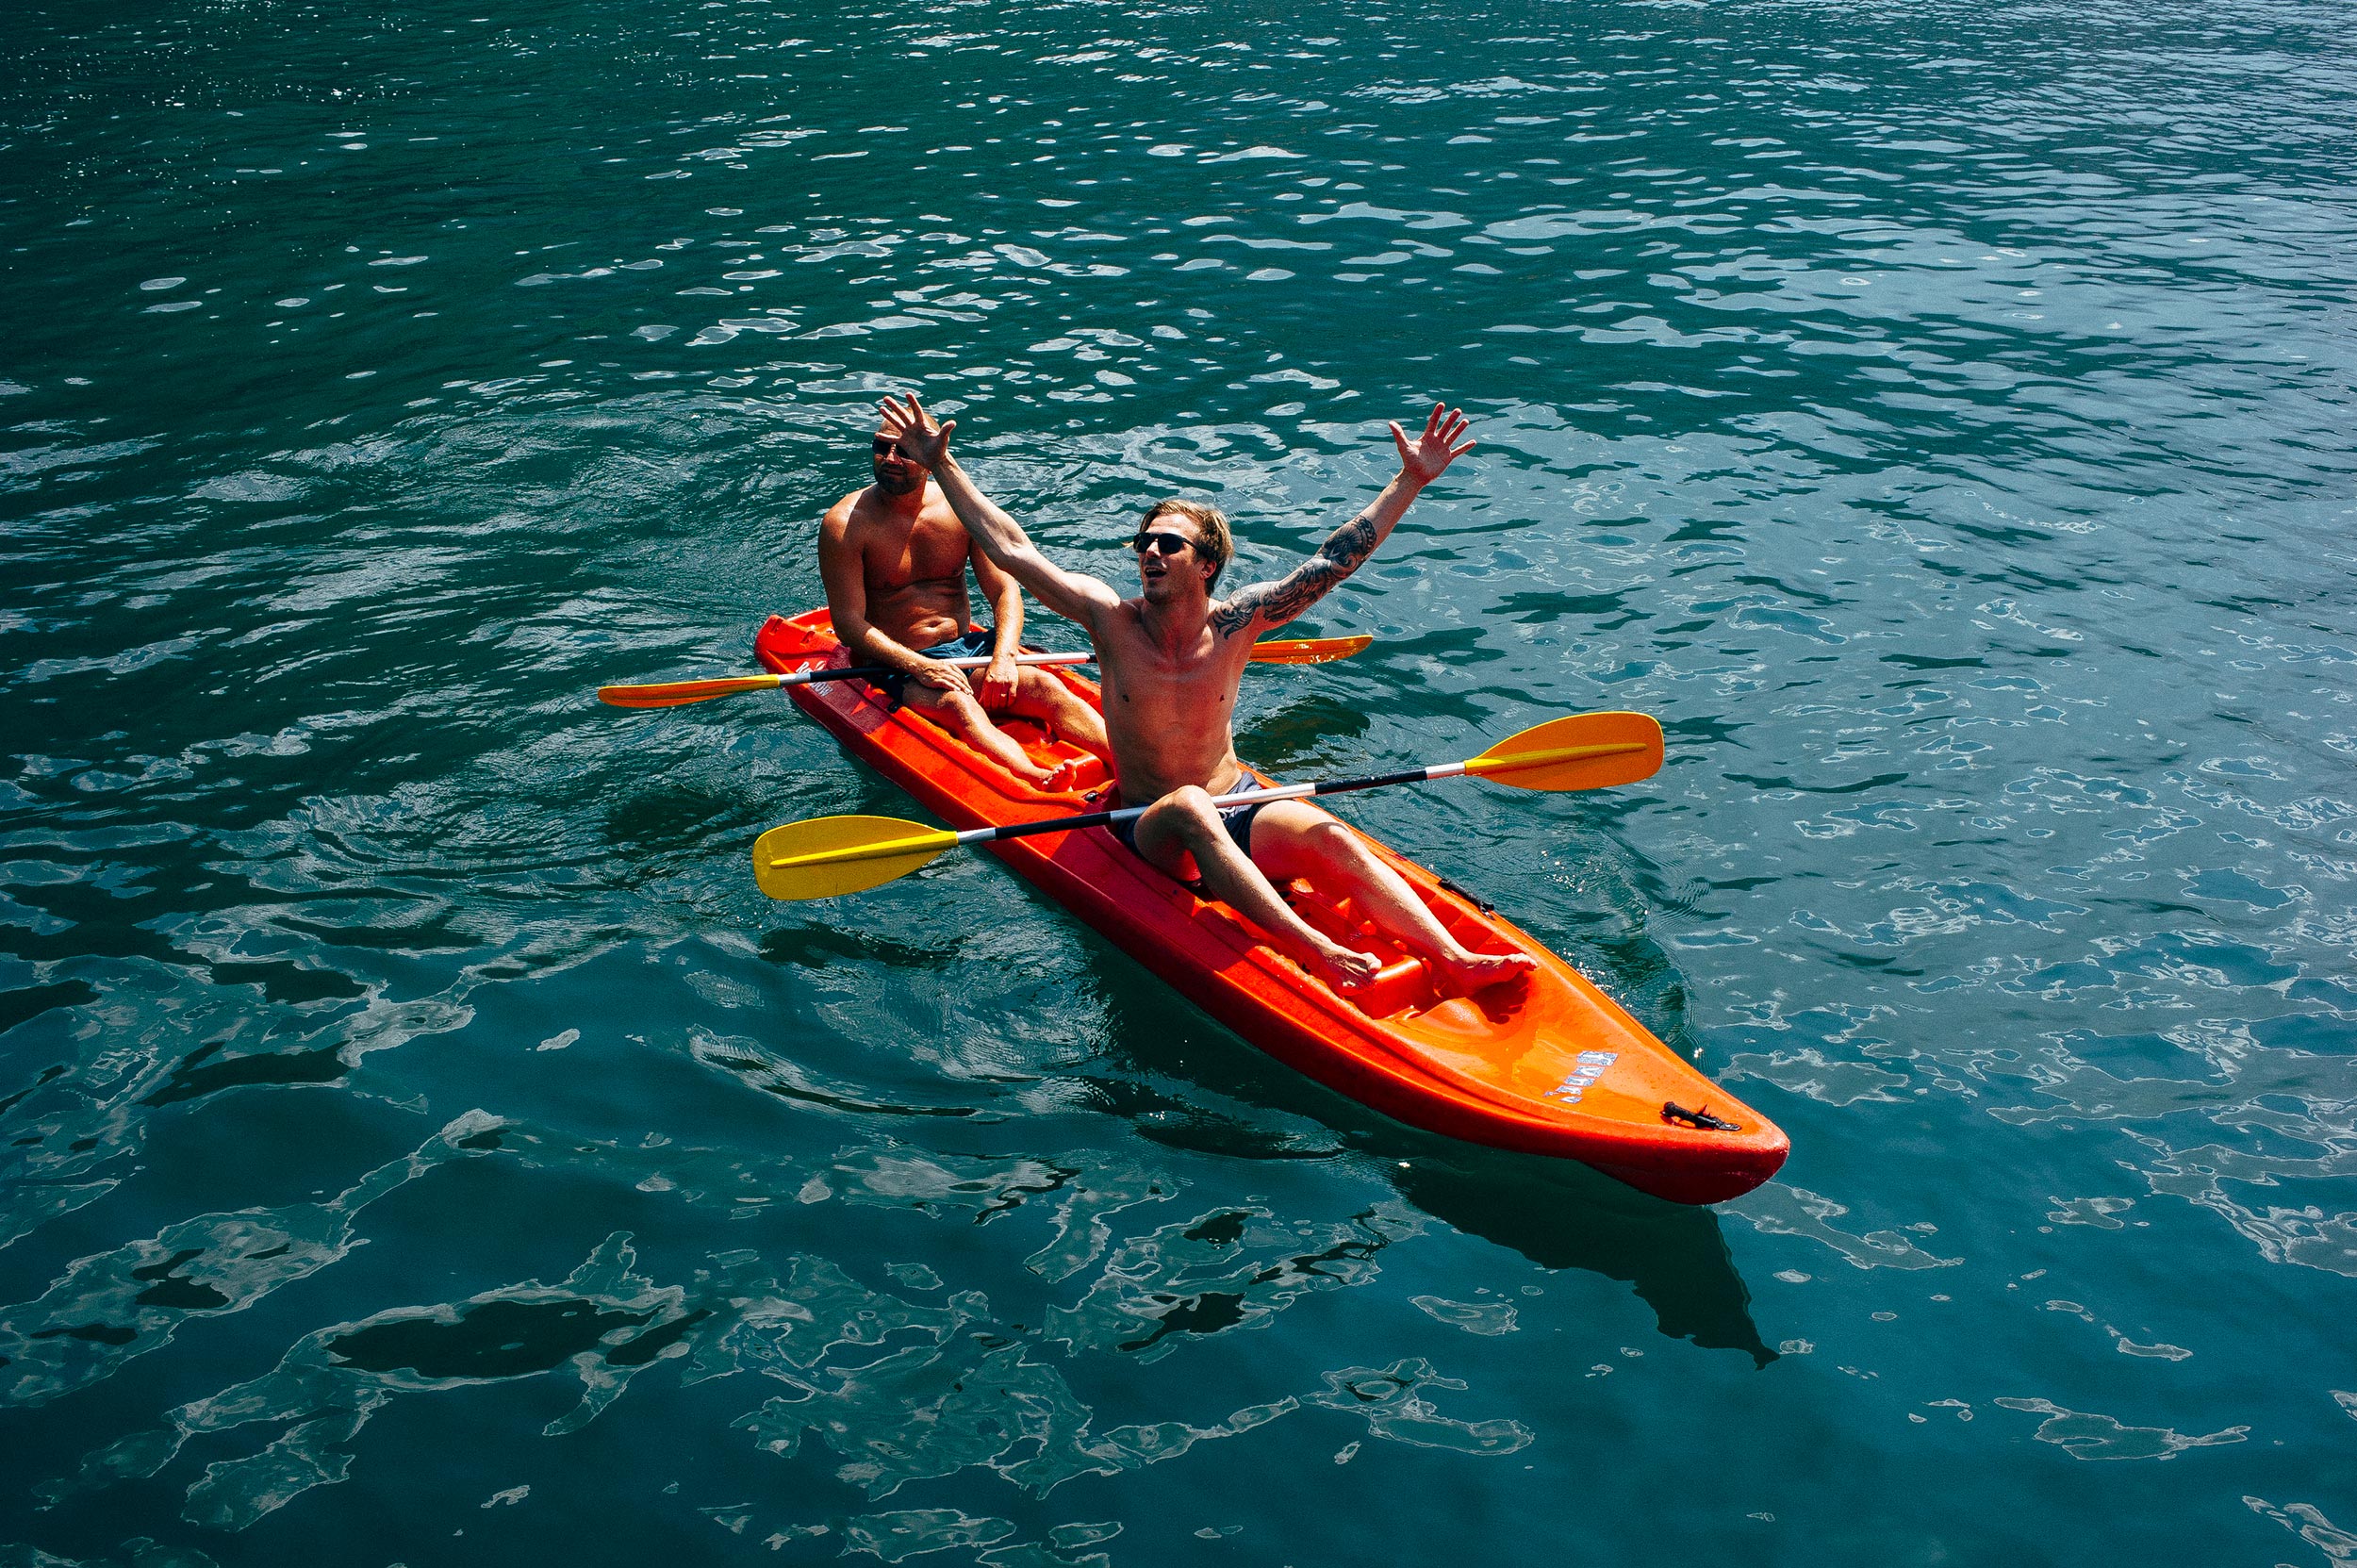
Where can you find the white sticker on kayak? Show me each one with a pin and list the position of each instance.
(1591, 1066)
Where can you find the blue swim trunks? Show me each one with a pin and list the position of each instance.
(973, 645)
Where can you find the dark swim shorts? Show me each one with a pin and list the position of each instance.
(972, 645)
(1236, 819)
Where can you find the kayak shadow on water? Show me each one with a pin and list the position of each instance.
(1563, 1215)
(1555, 1212)
(815, 946)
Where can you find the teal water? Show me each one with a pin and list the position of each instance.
(424, 1144)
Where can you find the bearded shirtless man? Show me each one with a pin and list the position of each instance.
(1171, 660)
(893, 558)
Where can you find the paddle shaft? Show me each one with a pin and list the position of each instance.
(1247, 797)
(877, 671)
(673, 694)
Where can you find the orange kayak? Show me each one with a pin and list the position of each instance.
(1548, 1064)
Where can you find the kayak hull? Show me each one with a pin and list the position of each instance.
(1546, 1066)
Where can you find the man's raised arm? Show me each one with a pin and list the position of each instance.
(1074, 595)
(1264, 606)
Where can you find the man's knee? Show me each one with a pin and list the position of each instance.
(1327, 842)
(1039, 689)
(1331, 838)
(1191, 812)
(954, 708)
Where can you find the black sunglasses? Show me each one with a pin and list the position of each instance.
(886, 446)
(1160, 543)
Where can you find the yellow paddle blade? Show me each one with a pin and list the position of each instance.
(671, 694)
(829, 856)
(1583, 751)
(1308, 650)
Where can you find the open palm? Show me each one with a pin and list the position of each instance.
(1424, 457)
(924, 442)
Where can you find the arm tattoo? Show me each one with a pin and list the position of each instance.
(1237, 613)
(1277, 603)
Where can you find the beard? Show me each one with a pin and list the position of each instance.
(897, 484)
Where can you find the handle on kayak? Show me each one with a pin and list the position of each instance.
(1672, 1112)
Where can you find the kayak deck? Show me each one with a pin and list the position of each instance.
(1547, 1064)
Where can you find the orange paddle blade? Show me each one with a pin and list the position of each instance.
(1581, 750)
(1308, 650)
(672, 694)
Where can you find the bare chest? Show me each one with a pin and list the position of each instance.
(1195, 686)
(895, 555)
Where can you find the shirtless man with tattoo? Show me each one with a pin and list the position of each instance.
(1171, 660)
(893, 558)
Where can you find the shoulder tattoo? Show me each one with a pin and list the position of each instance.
(1237, 613)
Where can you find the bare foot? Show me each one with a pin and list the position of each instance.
(1477, 971)
(1041, 779)
(1349, 970)
(1072, 774)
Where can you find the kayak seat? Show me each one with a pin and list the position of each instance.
(1400, 985)
(1048, 749)
(1406, 982)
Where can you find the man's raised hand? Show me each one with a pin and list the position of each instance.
(1423, 458)
(925, 442)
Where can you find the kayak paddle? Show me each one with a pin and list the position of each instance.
(672, 694)
(1308, 650)
(828, 856)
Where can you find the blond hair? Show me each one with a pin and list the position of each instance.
(1215, 543)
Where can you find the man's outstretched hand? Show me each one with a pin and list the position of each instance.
(1424, 457)
(923, 441)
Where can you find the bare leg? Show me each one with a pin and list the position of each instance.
(1185, 821)
(1041, 696)
(961, 715)
(1294, 838)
